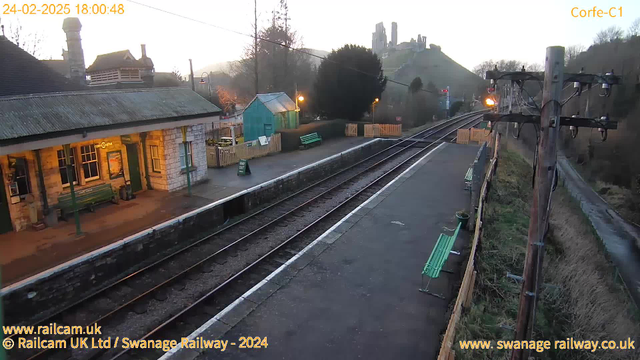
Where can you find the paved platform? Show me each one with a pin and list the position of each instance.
(225, 181)
(29, 252)
(353, 292)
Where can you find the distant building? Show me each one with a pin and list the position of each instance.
(121, 69)
(267, 113)
(380, 46)
(379, 39)
(394, 34)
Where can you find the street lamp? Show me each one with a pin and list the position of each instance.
(373, 109)
(208, 83)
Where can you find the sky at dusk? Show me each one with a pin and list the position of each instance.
(468, 31)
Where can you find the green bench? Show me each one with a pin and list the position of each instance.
(310, 139)
(438, 257)
(86, 198)
(468, 178)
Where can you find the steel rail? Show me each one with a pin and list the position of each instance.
(437, 128)
(278, 247)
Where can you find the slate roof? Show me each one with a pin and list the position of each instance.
(21, 73)
(60, 66)
(117, 60)
(58, 114)
(276, 102)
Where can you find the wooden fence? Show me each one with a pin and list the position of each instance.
(465, 136)
(465, 294)
(224, 156)
(378, 130)
(217, 133)
(351, 130)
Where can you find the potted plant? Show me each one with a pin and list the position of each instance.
(462, 217)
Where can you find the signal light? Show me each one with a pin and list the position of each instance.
(444, 91)
(490, 102)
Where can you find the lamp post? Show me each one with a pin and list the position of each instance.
(373, 109)
(208, 83)
(299, 99)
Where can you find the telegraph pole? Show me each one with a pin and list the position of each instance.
(543, 186)
(193, 84)
(255, 42)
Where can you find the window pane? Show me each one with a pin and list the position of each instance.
(93, 169)
(63, 176)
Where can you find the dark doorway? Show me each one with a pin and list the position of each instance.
(134, 167)
(5, 216)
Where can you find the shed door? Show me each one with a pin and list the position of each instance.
(5, 216)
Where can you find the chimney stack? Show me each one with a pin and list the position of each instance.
(71, 27)
(144, 50)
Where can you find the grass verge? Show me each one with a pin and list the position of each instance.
(583, 300)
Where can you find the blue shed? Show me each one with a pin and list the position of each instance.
(267, 113)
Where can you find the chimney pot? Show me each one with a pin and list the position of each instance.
(144, 50)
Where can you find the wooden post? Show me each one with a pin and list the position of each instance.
(255, 42)
(70, 173)
(543, 184)
(43, 189)
(469, 297)
(193, 84)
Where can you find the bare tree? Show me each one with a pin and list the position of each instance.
(572, 52)
(535, 67)
(634, 28)
(610, 34)
(29, 42)
(503, 65)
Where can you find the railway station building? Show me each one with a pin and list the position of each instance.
(110, 138)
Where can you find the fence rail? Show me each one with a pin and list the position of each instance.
(377, 130)
(229, 155)
(466, 136)
(217, 133)
(351, 130)
(465, 294)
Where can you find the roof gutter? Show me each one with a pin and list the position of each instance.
(41, 141)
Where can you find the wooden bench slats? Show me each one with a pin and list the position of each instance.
(86, 197)
(440, 254)
(310, 138)
(469, 175)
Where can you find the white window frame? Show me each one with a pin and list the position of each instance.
(155, 156)
(92, 151)
(189, 153)
(75, 170)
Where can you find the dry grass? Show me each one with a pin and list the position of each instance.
(623, 200)
(586, 302)
(597, 306)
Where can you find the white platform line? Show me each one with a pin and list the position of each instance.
(54, 270)
(244, 296)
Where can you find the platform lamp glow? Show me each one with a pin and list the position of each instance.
(373, 109)
(208, 82)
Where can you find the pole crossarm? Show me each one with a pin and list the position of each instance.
(568, 77)
(564, 120)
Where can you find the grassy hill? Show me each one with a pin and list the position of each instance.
(434, 66)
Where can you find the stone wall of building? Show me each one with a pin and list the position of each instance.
(157, 177)
(175, 174)
(20, 211)
(169, 177)
(20, 208)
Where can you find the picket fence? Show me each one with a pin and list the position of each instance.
(229, 155)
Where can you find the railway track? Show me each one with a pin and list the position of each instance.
(178, 293)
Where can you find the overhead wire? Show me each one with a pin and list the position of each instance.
(302, 51)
